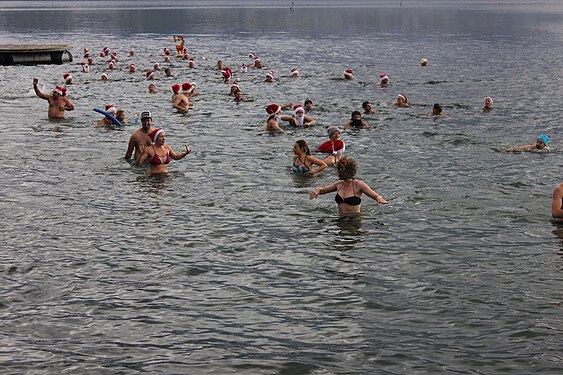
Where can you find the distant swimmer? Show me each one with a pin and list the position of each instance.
(220, 65)
(294, 73)
(437, 111)
(356, 121)
(68, 78)
(191, 63)
(348, 74)
(106, 121)
(348, 189)
(308, 105)
(152, 89)
(383, 80)
(299, 118)
(273, 121)
(150, 75)
(234, 88)
(85, 67)
(270, 76)
(368, 108)
(168, 72)
(132, 68)
(120, 116)
(227, 74)
(239, 97)
(303, 161)
(540, 145)
(180, 101)
(104, 76)
(423, 61)
(159, 153)
(58, 103)
(258, 63)
(139, 140)
(488, 105)
(557, 202)
(334, 146)
(402, 101)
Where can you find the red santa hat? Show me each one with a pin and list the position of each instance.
(154, 134)
(105, 76)
(156, 66)
(298, 108)
(85, 50)
(176, 88)
(273, 108)
(186, 86)
(131, 65)
(383, 76)
(251, 55)
(348, 73)
(271, 74)
(67, 77)
(111, 109)
(227, 72)
(60, 90)
(149, 74)
(403, 96)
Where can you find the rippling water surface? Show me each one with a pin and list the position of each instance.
(225, 265)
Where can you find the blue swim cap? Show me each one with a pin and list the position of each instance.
(544, 138)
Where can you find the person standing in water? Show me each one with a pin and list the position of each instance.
(139, 140)
(348, 189)
(159, 153)
(58, 103)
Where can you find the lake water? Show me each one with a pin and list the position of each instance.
(225, 266)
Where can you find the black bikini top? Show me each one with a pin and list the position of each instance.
(352, 200)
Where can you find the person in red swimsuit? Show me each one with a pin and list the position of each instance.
(159, 153)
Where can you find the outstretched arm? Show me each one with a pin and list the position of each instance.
(37, 91)
(323, 190)
(364, 188)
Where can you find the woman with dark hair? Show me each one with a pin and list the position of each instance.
(303, 161)
(348, 189)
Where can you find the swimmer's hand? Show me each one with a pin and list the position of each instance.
(35, 81)
(187, 146)
(315, 193)
(379, 199)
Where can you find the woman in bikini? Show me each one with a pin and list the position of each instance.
(159, 153)
(348, 189)
(303, 161)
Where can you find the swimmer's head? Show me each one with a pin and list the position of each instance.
(149, 75)
(105, 77)
(176, 88)
(270, 75)
(294, 72)
(423, 61)
(436, 109)
(402, 99)
(348, 74)
(146, 120)
(132, 68)
(308, 104)
(120, 115)
(154, 135)
(488, 102)
(111, 109)
(156, 66)
(301, 145)
(273, 109)
(383, 78)
(356, 115)
(152, 88)
(367, 106)
(146, 115)
(68, 78)
(59, 91)
(333, 130)
(347, 168)
(168, 72)
(298, 110)
(132, 52)
(542, 141)
(186, 86)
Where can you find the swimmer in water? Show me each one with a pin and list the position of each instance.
(120, 116)
(140, 139)
(334, 146)
(273, 121)
(488, 105)
(437, 111)
(383, 80)
(557, 202)
(423, 61)
(68, 78)
(270, 76)
(159, 153)
(402, 101)
(368, 108)
(541, 144)
(308, 105)
(356, 121)
(348, 189)
(152, 89)
(299, 118)
(106, 121)
(348, 74)
(303, 161)
(180, 101)
(294, 73)
(58, 103)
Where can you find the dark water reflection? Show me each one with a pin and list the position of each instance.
(224, 265)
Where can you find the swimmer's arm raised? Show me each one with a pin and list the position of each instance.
(182, 155)
(37, 91)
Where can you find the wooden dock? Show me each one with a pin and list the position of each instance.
(32, 54)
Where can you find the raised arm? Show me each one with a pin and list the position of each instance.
(182, 155)
(364, 188)
(37, 91)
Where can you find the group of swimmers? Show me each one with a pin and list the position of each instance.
(148, 144)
